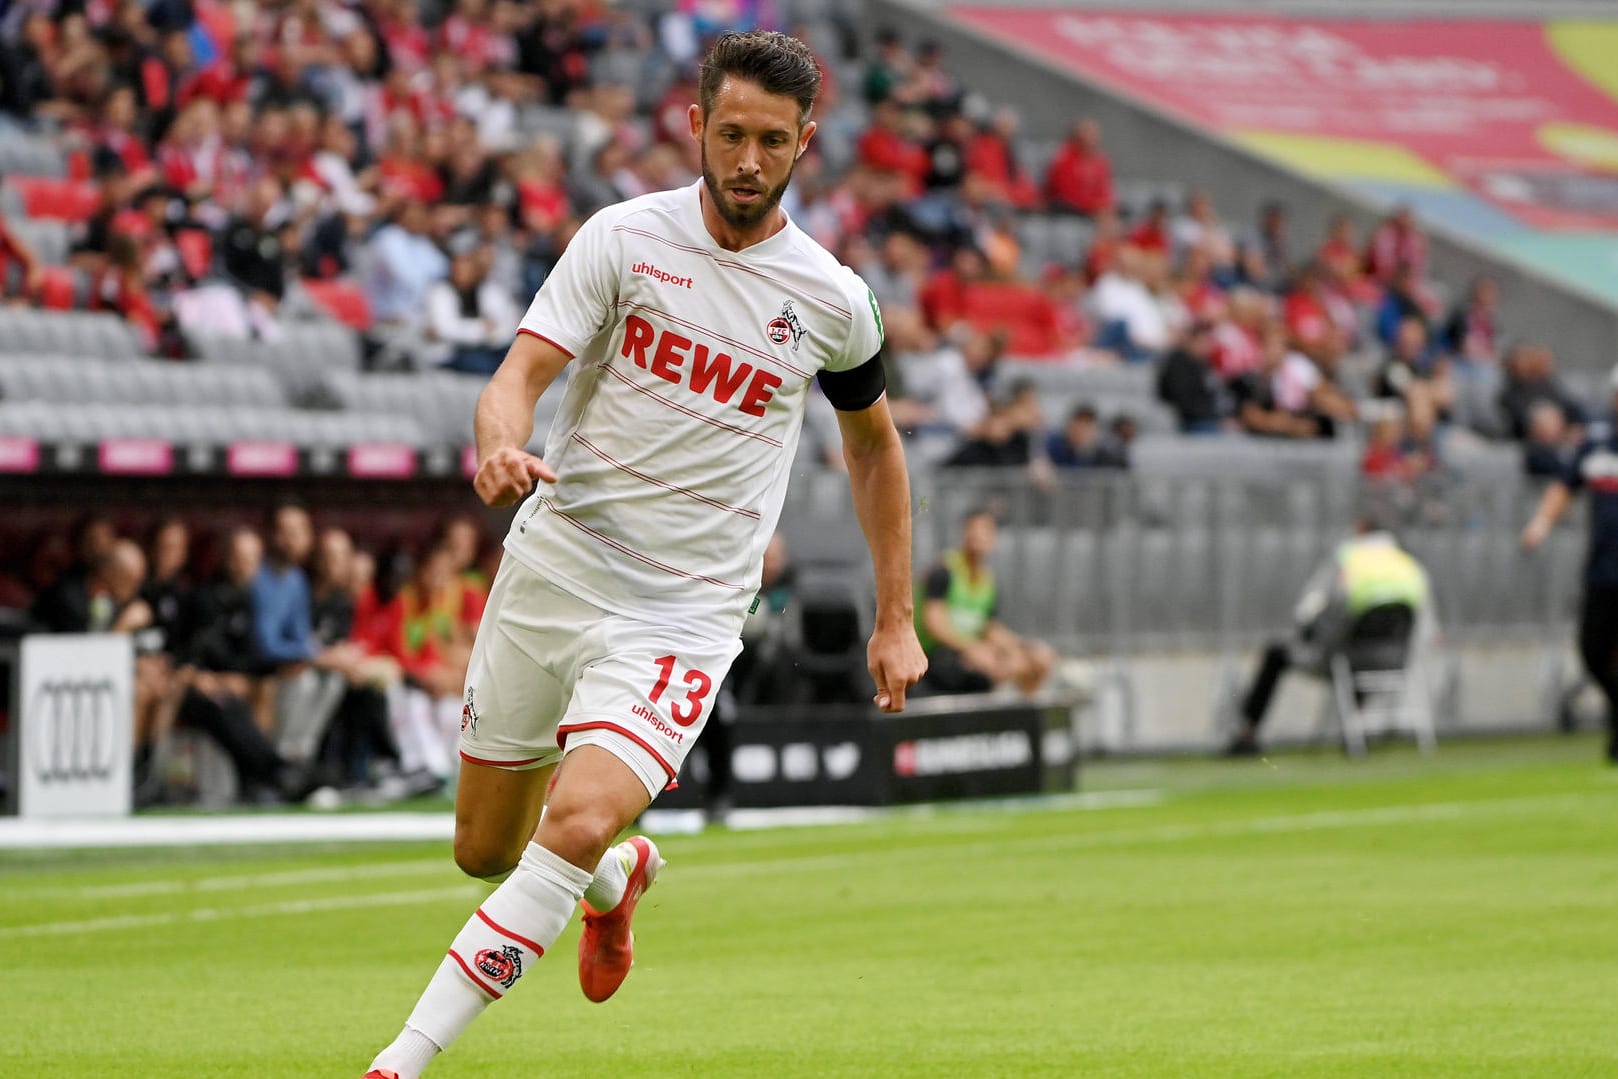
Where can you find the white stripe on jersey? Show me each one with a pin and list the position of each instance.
(675, 437)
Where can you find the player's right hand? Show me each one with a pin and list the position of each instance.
(508, 474)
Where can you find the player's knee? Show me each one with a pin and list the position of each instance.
(479, 858)
(580, 832)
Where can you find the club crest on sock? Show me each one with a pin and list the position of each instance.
(504, 965)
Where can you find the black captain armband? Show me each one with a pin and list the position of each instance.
(856, 389)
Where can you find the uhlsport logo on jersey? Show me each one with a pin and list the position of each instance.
(786, 327)
(504, 965)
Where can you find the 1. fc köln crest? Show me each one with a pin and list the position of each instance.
(786, 327)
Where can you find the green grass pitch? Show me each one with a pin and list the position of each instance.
(1299, 917)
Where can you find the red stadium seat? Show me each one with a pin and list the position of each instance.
(62, 200)
(342, 300)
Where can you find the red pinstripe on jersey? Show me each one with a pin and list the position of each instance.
(721, 424)
(632, 553)
(751, 515)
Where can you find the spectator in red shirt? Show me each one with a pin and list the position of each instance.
(1080, 176)
(1104, 246)
(943, 297)
(1318, 322)
(1396, 242)
(1152, 234)
(991, 154)
(887, 147)
(1340, 258)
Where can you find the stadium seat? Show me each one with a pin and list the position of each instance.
(61, 200)
(49, 240)
(25, 154)
(342, 300)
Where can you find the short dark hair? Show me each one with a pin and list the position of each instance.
(779, 63)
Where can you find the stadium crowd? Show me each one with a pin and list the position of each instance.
(292, 650)
(414, 169)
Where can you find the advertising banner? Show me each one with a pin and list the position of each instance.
(1522, 114)
(75, 727)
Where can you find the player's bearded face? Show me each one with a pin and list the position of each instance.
(744, 200)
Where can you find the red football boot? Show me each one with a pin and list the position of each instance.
(607, 947)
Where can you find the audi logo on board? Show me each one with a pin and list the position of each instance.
(72, 729)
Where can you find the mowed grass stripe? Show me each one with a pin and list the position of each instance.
(248, 887)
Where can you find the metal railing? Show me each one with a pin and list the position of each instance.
(1114, 563)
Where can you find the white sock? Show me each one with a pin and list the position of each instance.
(502, 939)
(612, 878)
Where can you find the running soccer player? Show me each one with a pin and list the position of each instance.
(696, 318)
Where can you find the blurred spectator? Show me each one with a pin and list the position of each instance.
(1271, 247)
(1414, 374)
(1199, 229)
(279, 594)
(64, 606)
(168, 590)
(1340, 259)
(896, 275)
(1188, 383)
(258, 244)
(1268, 401)
(1551, 443)
(427, 629)
(470, 319)
(1152, 234)
(969, 650)
(1124, 432)
(933, 394)
(1006, 436)
(992, 156)
(1080, 445)
(221, 675)
(1079, 179)
(1472, 334)
(889, 70)
(1403, 299)
(1129, 318)
(405, 263)
(1396, 244)
(1531, 378)
(1321, 323)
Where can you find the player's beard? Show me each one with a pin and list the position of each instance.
(738, 215)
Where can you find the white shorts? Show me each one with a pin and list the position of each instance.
(551, 672)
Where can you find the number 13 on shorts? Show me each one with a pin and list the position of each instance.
(684, 712)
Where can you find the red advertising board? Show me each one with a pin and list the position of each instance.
(1524, 114)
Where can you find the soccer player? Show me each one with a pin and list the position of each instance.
(696, 319)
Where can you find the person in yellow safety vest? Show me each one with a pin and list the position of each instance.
(968, 649)
(1369, 570)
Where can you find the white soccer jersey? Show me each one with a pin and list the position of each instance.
(676, 434)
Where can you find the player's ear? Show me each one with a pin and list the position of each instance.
(805, 135)
(694, 114)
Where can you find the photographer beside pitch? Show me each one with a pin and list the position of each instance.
(1593, 468)
(636, 557)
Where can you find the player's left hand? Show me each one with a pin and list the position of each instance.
(896, 662)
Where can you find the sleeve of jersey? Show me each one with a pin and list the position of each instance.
(855, 379)
(577, 298)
